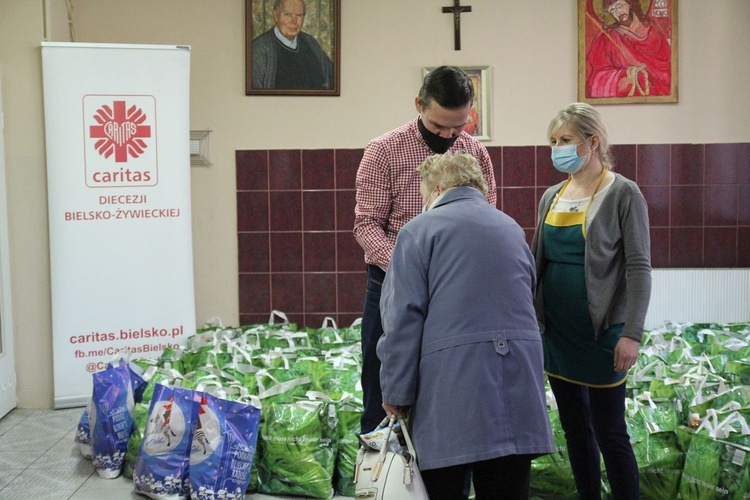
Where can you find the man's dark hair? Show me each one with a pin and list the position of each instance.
(448, 86)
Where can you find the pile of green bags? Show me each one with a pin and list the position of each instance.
(688, 409)
(308, 381)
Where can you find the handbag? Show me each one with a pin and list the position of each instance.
(388, 475)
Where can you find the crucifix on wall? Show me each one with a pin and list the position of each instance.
(456, 9)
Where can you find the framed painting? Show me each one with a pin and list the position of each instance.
(292, 47)
(479, 124)
(627, 51)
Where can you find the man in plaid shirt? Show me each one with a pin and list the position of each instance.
(388, 197)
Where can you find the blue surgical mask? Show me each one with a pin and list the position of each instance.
(566, 159)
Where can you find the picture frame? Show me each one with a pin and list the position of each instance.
(479, 126)
(617, 67)
(311, 65)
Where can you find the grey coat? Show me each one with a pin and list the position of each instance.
(461, 345)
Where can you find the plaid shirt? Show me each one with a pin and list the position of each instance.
(388, 187)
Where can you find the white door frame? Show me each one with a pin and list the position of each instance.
(8, 398)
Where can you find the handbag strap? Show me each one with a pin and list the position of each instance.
(378, 466)
(407, 438)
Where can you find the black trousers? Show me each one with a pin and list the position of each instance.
(372, 330)
(499, 478)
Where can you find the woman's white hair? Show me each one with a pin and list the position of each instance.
(451, 170)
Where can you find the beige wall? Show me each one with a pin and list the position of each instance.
(531, 47)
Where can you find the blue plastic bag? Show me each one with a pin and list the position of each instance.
(111, 416)
(223, 448)
(161, 466)
(82, 438)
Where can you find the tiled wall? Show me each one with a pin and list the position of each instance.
(295, 212)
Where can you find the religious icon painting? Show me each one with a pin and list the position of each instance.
(479, 119)
(627, 51)
(292, 47)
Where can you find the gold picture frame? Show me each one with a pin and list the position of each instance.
(627, 51)
(312, 57)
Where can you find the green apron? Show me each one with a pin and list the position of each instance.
(571, 351)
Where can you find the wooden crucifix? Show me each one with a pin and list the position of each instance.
(456, 10)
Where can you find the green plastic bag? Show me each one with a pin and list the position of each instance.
(298, 453)
(660, 458)
(347, 444)
(715, 469)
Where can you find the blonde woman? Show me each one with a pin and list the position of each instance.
(592, 254)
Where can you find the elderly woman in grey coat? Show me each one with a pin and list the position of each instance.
(461, 350)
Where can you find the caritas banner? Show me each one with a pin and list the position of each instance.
(118, 183)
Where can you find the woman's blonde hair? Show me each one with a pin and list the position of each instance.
(585, 120)
(452, 170)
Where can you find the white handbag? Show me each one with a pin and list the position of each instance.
(388, 475)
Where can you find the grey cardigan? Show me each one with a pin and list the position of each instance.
(617, 259)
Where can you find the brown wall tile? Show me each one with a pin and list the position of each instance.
(318, 169)
(520, 204)
(320, 252)
(743, 246)
(653, 164)
(721, 163)
(286, 210)
(286, 252)
(319, 210)
(720, 246)
(349, 255)
(345, 203)
(252, 211)
(347, 164)
(686, 206)
(743, 163)
(659, 246)
(284, 168)
(320, 292)
(743, 205)
(519, 165)
(253, 252)
(720, 205)
(687, 164)
(657, 199)
(625, 160)
(252, 170)
(686, 248)
(287, 292)
(351, 287)
(255, 296)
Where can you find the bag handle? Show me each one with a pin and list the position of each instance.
(280, 315)
(378, 466)
(329, 322)
(407, 438)
(408, 466)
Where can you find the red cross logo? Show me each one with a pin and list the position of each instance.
(120, 132)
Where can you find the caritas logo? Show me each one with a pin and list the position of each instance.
(120, 140)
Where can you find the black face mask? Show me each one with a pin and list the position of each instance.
(437, 144)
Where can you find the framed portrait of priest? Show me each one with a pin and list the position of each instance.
(292, 47)
(627, 51)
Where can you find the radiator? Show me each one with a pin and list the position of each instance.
(699, 296)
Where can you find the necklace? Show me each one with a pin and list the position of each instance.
(574, 196)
